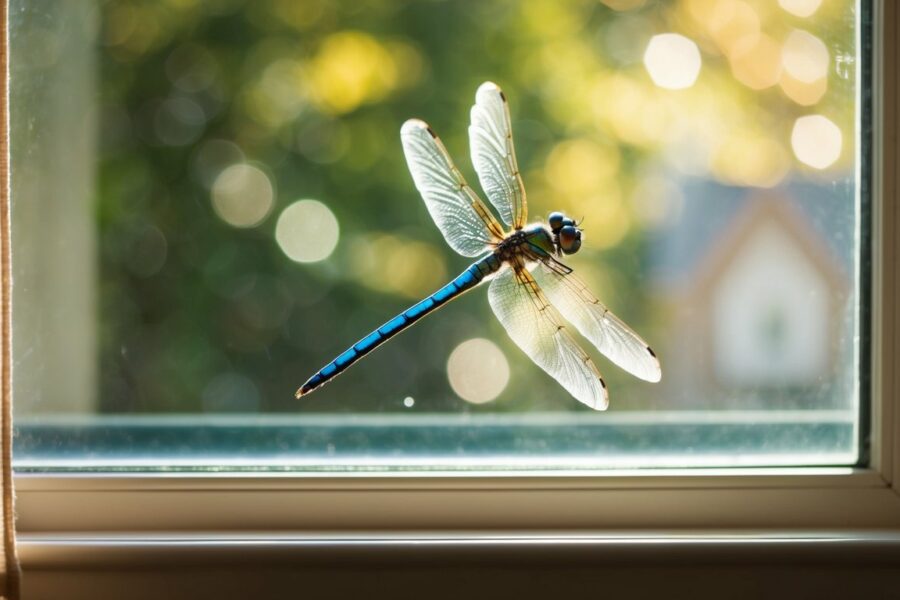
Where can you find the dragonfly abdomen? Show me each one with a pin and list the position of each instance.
(464, 282)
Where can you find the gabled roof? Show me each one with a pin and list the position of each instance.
(821, 217)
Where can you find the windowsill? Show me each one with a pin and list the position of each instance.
(823, 499)
(111, 552)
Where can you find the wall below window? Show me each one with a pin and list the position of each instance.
(589, 567)
(437, 582)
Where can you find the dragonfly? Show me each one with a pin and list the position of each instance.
(533, 293)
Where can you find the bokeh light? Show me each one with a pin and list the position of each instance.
(212, 157)
(805, 56)
(633, 112)
(750, 159)
(178, 122)
(734, 25)
(581, 174)
(606, 217)
(353, 68)
(672, 60)
(191, 68)
(816, 141)
(800, 8)
(242, 195)
(477, 370)
(803, 93)
(758, 65)
(279, 94)
(657, 201)
(580, 166)
(621, 5)
(307, 231)
(397, 265)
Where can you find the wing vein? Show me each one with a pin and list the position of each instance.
(538, 329)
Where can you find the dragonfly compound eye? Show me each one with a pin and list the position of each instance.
(569, 239)
(556, 220)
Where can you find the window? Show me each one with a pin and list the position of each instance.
(123, 482)
(211, 202)
(231, 208)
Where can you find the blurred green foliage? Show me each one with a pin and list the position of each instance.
(198, 315)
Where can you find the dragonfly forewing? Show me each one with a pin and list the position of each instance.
(494, 157)
(463, 219)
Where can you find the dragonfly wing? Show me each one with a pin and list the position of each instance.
(464, 220)
(493, 155)
(538, 329)
(594, 321)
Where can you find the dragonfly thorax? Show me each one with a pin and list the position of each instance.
(538, 242)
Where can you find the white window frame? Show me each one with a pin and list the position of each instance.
(159, 517)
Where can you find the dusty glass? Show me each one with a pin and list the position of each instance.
(210, 202)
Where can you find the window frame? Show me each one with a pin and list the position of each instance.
(140, 510)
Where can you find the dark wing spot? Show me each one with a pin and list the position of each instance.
(602, 383)
(650, 350)
(431, 132)
(502, 95)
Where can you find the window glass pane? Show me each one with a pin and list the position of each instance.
(211, 202)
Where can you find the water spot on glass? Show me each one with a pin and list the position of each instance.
(230, 392)
(844, 65)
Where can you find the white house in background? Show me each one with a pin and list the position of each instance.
(757, 308)
(771, 302)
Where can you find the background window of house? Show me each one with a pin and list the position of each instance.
(210, 202)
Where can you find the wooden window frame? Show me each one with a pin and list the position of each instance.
(127, 518)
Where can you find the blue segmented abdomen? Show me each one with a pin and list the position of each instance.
(465, 281)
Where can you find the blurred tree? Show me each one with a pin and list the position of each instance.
(201, 310)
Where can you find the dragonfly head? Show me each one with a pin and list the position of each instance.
(566, 234)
